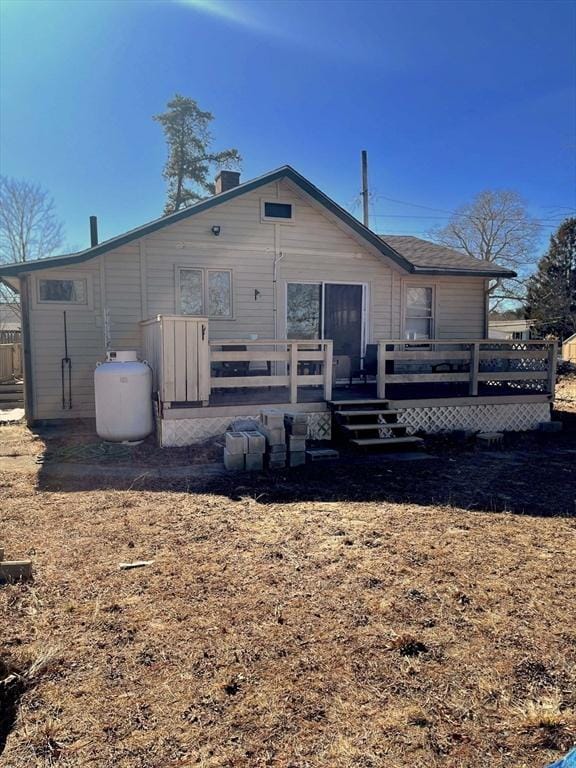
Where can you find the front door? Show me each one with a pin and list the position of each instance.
(343, 323)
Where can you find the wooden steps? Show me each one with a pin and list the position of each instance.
(370, 425)
(374, 427)
(381, 442)
(11, 395)
(337, 404)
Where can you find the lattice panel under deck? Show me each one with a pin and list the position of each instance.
(176, 433)
(508, 417)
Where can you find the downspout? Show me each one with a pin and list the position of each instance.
(26, 350)
(278, 256)
(486, 308)
(277, 259)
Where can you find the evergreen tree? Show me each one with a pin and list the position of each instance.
(190, 159)
(551, 296)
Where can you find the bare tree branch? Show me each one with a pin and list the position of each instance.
(29, 228)
(495, 227)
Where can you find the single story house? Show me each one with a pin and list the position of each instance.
(244, 283)
(510, 329)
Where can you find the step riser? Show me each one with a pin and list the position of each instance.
(370, 427)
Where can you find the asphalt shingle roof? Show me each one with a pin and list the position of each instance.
(426, 255)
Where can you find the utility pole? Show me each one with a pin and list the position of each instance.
(365, 186)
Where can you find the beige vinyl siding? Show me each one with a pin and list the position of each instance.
(139, 281)
(85, 347)
(123, 296)
(460, 306)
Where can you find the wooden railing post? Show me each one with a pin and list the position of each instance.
(381, 370)
(327, 370)
(552, 362)
(474, 368)
(293, 371)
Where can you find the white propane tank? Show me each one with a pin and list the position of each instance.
(123, 388)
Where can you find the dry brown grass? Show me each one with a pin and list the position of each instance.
(349, 621)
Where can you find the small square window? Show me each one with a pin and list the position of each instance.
(65, 291)
(277, 211)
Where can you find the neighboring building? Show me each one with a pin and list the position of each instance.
(9, 316)
(270, 259)
(569, 349)
(510, 329)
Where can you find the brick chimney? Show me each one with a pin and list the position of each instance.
(226, 180)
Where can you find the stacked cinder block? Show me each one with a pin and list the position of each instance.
(244, 451)
(296, 426)
(272, 427)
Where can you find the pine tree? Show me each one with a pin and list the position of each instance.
(190, 159)
(551, 296)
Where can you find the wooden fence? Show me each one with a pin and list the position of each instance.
(496, 362)
(10, 362)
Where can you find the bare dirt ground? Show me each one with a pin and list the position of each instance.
(386, 615)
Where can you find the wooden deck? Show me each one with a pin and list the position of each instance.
(192, 371)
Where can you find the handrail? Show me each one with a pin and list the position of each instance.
(291, 357)
(472, 356)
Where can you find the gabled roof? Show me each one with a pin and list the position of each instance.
(386, 249)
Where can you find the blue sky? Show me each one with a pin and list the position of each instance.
(449, 98)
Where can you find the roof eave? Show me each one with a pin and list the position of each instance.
(249, 186)
(462, 272)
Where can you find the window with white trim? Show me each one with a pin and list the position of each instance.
(62, 291)
(205, 292)
(419, 313)
(277, 210)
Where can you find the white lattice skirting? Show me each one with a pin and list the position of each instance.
(176, 433)
(507, 417)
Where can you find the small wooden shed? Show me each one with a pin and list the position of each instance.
(569, 349)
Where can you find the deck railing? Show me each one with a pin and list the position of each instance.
(259, 363)
(494, 363)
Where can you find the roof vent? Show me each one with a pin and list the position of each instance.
(226, 180)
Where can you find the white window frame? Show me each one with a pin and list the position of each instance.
(433, 318)
(38, 303)
(205, 272)
(276, 219)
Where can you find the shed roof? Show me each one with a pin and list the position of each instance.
(406, 255)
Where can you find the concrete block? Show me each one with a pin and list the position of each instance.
(297, 458)
(245, 425)
(236, 442)
(278, 448)
(296, 424)
(274, 435)
(234, 462)
(550, 426)
(296, 443)
(276, 460)
(256, 442)
(490, 439)
(254, 462)
(272, 418)
(321, 454)
(15, 570)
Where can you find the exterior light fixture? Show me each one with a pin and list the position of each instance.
(216, 230)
